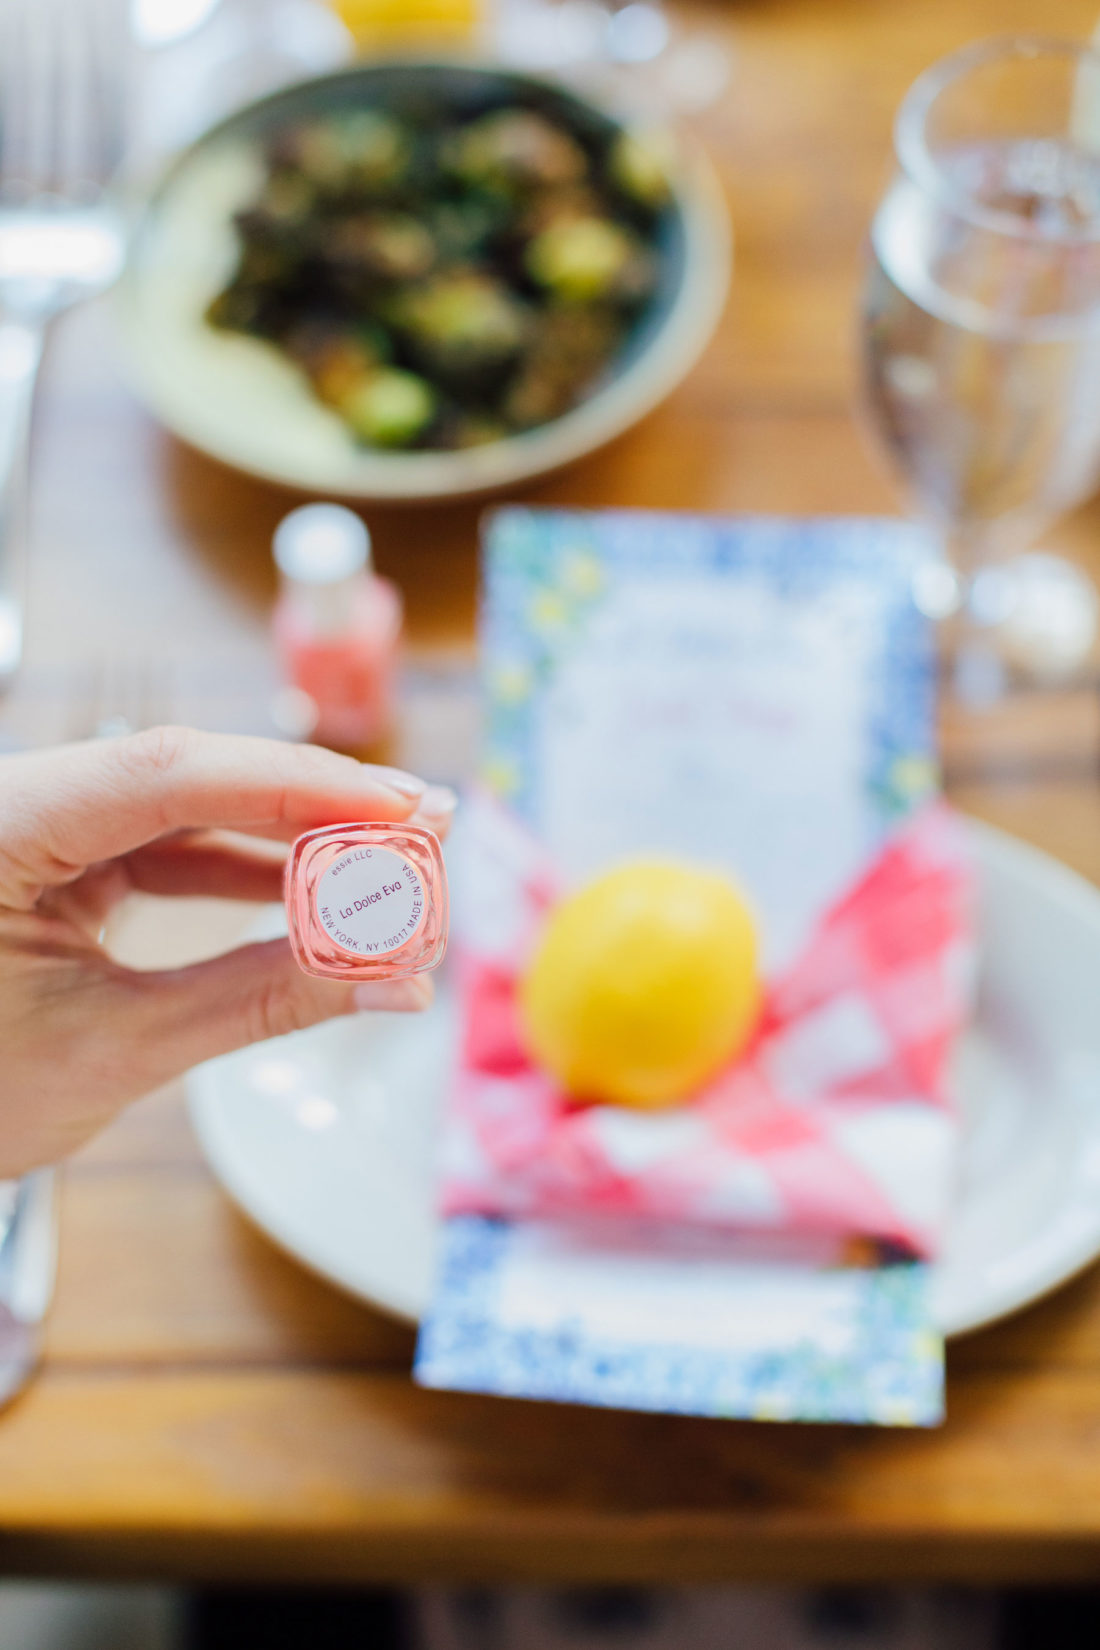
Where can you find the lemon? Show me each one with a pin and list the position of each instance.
(643, 985)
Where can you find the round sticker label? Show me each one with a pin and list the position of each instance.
(370, 901)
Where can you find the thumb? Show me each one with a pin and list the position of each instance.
(245, 996)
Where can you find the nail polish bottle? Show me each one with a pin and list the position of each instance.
(367, 902)
(337, 624)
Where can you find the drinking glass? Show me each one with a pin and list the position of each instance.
(981, 344)
(629, 53)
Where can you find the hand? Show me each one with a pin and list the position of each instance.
(83, 825)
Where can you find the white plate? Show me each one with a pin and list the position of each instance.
(238, 400)
(325, 1138)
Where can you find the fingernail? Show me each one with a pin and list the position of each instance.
(438, 803)
(396, 779)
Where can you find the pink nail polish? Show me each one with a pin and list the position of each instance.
(367, 902)
(337, 625)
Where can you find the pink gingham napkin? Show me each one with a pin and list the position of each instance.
(837, 1120)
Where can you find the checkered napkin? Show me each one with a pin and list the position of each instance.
(837, 1120)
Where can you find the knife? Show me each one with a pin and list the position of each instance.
(28, 1266)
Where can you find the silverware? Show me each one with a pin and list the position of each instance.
(28, 1263)
(111, 696)
(63, 104)
(123, 695)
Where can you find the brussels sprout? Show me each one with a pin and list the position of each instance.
(356, 149)
(377, 150)
(581, 259)
(461, 321)
(238, 308)
(267, 261)
(463, 229)
(339, 363)
(513, 148)
(638, 165)
(570, 347)
(287, 199)
(280, 214)
(387, 246)
(460, 431)
(392, 408)
(548, 206)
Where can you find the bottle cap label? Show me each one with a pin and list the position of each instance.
(370, 901)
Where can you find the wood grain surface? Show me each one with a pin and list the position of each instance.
(206, 1408)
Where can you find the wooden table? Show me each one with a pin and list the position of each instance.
(207, 1409)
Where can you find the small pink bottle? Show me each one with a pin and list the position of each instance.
(367, 902)
(337, 624)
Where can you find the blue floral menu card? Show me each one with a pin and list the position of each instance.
(750, 692)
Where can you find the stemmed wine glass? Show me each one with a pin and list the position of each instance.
(629, 52)
(981, 344)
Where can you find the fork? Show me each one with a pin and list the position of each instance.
(63, 105)
(110, 696)
(117, 694)
(28, 1263)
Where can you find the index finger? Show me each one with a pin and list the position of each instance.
(67, 808)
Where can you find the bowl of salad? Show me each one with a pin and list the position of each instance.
(421, 280)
